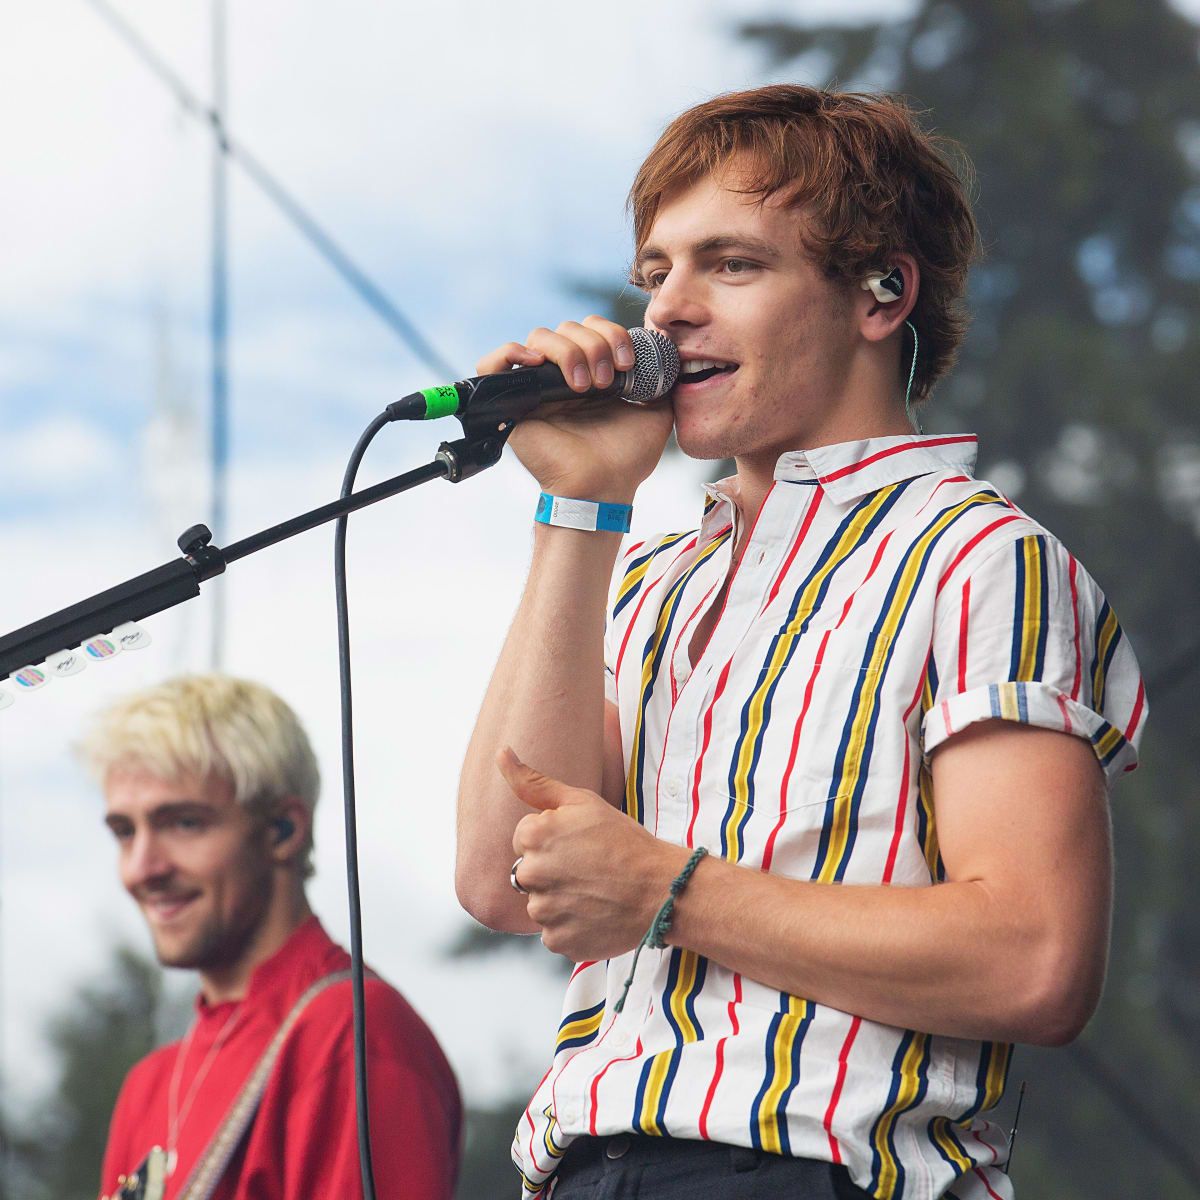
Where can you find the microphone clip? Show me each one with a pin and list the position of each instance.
(480, 449)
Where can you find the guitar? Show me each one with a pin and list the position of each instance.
(148, 1182)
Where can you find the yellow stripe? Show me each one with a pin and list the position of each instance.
(654, 1087)
(940, 1127)
(1009, 709)
(1107, 633)
(1106, 743)
(1031, 616)
(925, 794)
(847, 544)
(781, 1078)
(910, 1082)
(552, 1147)
(580, 1028)
(635, 574)
(861, 721)
(684, 983)
(997, 1074)
(632, 807)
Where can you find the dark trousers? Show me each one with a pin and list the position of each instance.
(628, 1167)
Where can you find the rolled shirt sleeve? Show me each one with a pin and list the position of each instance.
(1028, 636)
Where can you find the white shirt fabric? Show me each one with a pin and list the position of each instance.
(885, 600)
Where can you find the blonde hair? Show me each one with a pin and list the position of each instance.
(205, 726)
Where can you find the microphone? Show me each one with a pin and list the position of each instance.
(508, 396)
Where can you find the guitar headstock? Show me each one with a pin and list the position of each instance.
(148, 1182)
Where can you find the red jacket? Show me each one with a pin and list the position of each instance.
(303, 1141)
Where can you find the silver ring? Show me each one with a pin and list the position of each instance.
(512, 877)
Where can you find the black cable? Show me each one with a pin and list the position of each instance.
(369, 291)
(352, 888)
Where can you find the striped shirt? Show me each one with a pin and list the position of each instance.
(885, 600)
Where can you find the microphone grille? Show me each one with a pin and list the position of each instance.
(655, 367)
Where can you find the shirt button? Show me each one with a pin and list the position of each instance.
(617, 1147)
(672, 787)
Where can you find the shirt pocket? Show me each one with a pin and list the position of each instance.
(827, 701)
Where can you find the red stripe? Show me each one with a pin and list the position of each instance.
(1068, 727)
(946, 718)
(1137, 710)
(674, 649)
(983, 1177)
(843, 1056)
(720, 1064)
(736, 567)
(532, 1126)
(870, 571)
(804, 527)
(866, 462)
(769, 849)
(971, 546)
(646, 590)
(722, 679)
(1075, 613)
(941, 484)
(902, 803)
(596, 1084)
(986, 1145)
(964, 618)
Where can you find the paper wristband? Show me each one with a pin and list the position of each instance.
(583, 514)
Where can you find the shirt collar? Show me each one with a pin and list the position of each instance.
(847, 471)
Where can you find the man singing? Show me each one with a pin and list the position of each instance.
(836, 761)
(210, 784)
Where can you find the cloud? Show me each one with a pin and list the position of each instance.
(471, 156)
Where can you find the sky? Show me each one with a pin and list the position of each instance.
(474, 158)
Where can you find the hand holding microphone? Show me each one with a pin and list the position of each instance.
(573, 435)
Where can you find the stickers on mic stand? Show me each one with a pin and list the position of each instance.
(101, 647)
(64, 663)
(131, 636)
(29, 679)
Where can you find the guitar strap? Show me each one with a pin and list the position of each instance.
(209, 1168)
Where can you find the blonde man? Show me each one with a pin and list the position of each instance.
(210, 785)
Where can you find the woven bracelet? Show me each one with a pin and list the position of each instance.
(656, 935)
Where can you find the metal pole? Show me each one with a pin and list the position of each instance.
(219, 316)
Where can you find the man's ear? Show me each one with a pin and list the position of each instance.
(289, 830)
(879, 319)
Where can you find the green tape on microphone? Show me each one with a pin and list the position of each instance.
(440, 401)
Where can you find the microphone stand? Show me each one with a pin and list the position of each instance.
(180, 580)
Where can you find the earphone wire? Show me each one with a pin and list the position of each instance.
(913, 419)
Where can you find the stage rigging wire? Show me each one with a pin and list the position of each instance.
(359, 281)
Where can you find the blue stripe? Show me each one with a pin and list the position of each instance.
(764, 1087)
(994, 699)
(670, 540)
(785, 1140)
(873, 723)
(1018, 612)
(1022, 704)
(826, 554)
(672, 600)
(1039, 665)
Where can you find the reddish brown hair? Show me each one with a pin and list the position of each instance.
(871, 180)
